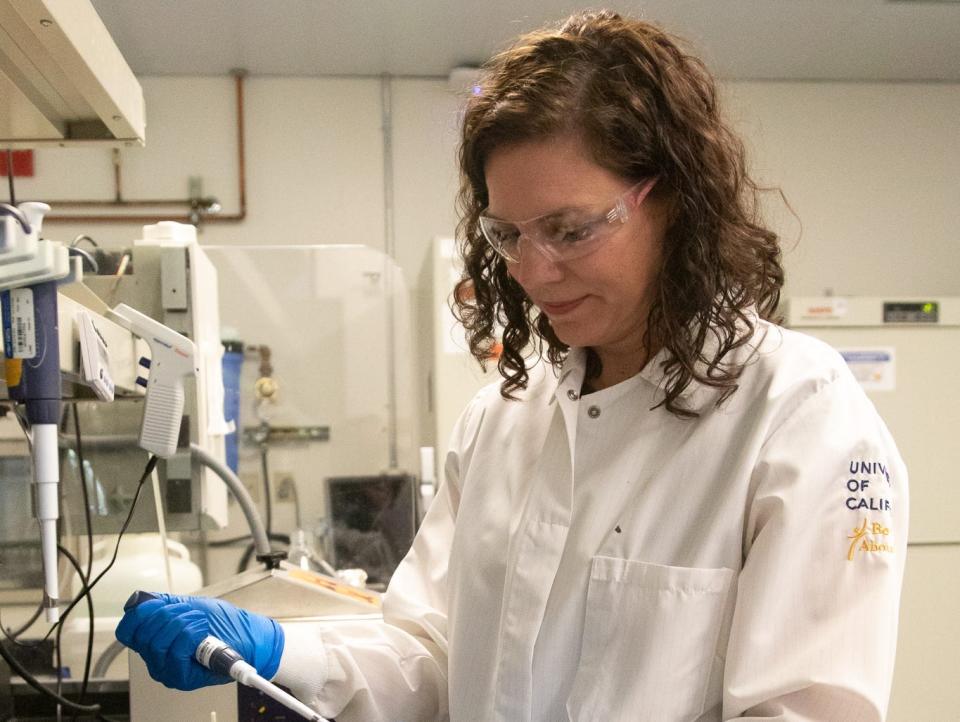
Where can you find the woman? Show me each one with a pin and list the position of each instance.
(687, 512)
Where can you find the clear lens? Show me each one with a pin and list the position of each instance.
(503, 236)
(563, 236)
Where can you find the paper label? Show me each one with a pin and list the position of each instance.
(874, 368)
(333, 585)
(825, 308)
(94, 358)
(19, 327)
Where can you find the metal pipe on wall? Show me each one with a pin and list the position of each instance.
(145, 219)
(389, 247)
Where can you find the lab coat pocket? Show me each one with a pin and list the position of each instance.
(649, 641)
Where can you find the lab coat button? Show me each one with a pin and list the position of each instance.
(572, 395)
(593, 412)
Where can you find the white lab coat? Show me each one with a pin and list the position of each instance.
(593, 559)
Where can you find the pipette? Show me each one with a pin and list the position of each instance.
(31, 341)
(217, 656)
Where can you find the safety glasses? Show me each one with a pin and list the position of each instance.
(567, 234)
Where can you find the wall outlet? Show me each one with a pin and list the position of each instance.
(283, 485)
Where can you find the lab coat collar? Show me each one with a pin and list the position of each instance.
(697, 396)
(571, 373)
(574, 368)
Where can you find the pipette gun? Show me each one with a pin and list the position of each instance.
(172, 357)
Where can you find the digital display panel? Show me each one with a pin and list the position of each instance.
(912, 312)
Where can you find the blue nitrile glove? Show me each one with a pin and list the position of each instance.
(167, 629)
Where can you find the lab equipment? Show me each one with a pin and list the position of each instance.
(232, 366)
(94, 358)
(261, 541)
(373, 522)
(32, 348)
(170, 279)
(66, 83)
(454, 375)
(139, 564)
(45, 324)
(33, 378)
(303, 301)
(26, 259)
(173, 357)
(302, 554)
(428, 479)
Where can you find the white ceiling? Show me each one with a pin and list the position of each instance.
(769, 39)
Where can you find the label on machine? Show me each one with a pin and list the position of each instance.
(19, 325)
(874, 368)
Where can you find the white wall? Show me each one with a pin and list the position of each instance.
(872, 171)
(314, 160)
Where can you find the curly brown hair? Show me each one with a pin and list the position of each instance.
(644, 108)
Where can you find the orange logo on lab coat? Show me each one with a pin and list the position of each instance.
(869, 538)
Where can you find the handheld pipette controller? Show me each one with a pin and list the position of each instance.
(219, 657)
(173, 356)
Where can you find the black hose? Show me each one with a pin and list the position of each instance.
(251, 548)
(267, 490)
(32, 681)
(84, 580)
(88, 659)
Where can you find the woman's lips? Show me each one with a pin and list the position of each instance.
(559, 309)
